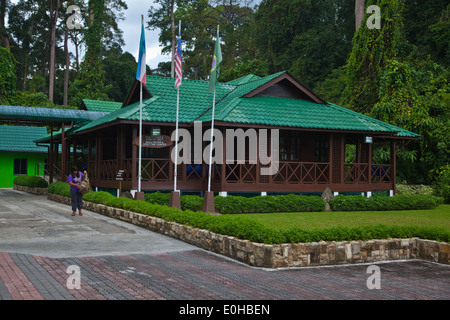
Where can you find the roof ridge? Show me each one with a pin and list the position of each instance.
(245, 91)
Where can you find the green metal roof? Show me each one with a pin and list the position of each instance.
(102, 106)
(19, 113)
(20, 139)
(194, 100)
(232, 107)
(283, 112)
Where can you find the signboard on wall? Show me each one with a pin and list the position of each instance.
(149, 141)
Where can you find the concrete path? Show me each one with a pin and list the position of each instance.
(34, 225)
(46, 254)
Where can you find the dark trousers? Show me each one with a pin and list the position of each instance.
(77, 200)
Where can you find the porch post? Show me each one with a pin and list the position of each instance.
(133, 162)
(63, 153)
(370, 151)
(223, 166)
(342, 164)
(51, 156)
(119, 155)
(97, 157)
(330, 160)
(393, 165)
(89, 159)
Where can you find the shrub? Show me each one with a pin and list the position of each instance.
(442, 186)
(445, 193)
(100, 197)
(295, 235)
(266, 204)
(404, 188)
(60, 188)
(158, 198)
(191, 202)
(237, 204)
(31, 181)
(397, 202)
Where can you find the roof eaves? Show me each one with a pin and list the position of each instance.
(122, 113)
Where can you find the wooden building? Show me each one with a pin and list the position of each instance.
(320, 144)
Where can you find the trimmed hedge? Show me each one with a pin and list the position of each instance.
(59, 188)
(31, 182)
(365, 233)
(238, 204)
(243, 228)
(397, 202)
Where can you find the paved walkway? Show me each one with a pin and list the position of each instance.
(43, 250)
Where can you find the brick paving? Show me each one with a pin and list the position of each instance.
(199, 275)
(39, 241)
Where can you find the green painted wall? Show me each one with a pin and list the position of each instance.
(7, 166)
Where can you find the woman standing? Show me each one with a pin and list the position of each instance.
(75, 195)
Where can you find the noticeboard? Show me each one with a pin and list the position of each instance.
(149, 141)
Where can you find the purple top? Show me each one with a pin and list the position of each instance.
(76, 180)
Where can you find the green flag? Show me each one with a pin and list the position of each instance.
(215, 68)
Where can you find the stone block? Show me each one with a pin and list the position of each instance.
(444, 247)
(348, 251)
(340, 253)
(356, 248)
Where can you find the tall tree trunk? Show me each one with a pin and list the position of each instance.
(4, 40)
(359, 12)
(66, 72)
(54, 19)
(26, 46)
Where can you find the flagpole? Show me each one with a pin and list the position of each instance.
(212, 131)
(176, 131)
(140, 130)
(211, 144)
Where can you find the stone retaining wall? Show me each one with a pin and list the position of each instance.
(283, 255)
(38, 191)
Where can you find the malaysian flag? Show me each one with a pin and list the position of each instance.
(178, 69)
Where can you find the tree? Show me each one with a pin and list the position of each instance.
(4, 38)
(199, 24)
(307, 38)
(120, 73)
(54, 14)
(359, 12)
(414, 95)
(101, 36)
(90, 80)
(7, 76)
(440, 32)
(161, 16)
(427, 28)
(371, 53)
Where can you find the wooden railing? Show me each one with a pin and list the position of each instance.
(302, 173)
(155, 169)
(381, 173)
(360, 173)
(247, 173)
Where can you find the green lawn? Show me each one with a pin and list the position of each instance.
(439, 217)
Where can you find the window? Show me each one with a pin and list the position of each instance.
(20, 166)
(322, 148)
(289, 146)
